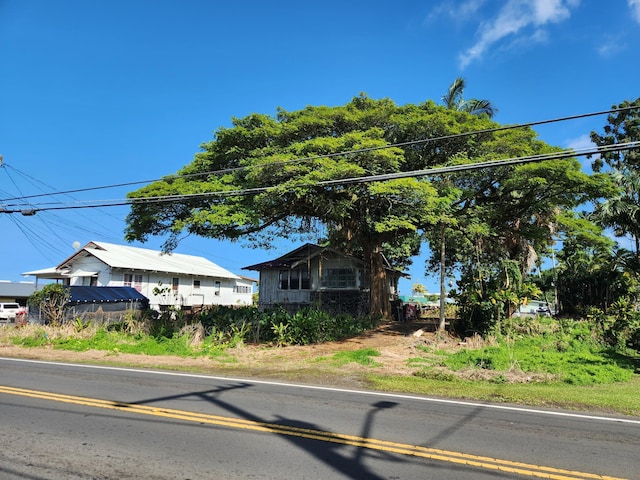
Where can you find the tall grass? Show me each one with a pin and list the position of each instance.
(536, 350)
(205, 334)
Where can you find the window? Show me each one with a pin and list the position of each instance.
(175, 283)
(196, 284)
(242, 289)
(339, 278)
(131, 280)
(216, 290)
(305, 279)
(297, 279)
(93, 281)
(283, 280)
(294, 280)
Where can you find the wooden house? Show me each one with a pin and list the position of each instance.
(323, 277)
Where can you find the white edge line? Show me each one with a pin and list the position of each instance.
(337, 390)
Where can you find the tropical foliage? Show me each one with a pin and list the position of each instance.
(621, 210)
(360, 177)
(211, 330)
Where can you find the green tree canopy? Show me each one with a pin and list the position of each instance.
(304, 174)
(507, 219)
(621, 211)
(623, 126)
(292, 175)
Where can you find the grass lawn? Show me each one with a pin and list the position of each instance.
(556, 368)
(623, 397)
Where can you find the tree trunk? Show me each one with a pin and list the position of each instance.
(443, 286)
(379, 289)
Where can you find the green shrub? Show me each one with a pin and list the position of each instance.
(38, 338)
(310, 325)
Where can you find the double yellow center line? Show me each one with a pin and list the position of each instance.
(505, 466)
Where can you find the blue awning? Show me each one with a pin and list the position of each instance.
(105, 295)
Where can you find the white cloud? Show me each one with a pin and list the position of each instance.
(614, 42)
(546, 11)
(461, 12)
(581, 143)
(634, 5)
(515, 17)
(610, 46)
(524, 42)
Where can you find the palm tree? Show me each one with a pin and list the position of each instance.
(454, 100)
(622, 212)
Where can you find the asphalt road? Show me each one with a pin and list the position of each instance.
(61, 421)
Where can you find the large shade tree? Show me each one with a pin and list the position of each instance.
(307, 172)
(267, 177)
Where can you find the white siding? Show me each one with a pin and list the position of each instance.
(186, 295)
(105, 264)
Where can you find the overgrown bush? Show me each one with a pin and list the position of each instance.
(315, 326)
(477, 317)
(50, 301)
(276, 326)
(619, 327)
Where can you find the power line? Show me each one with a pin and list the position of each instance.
(331, 155)
(51, 221)
(346, 181)
(492, 163)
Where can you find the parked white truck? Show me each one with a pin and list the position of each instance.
(8, 312)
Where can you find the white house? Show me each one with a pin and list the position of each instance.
(167, 280)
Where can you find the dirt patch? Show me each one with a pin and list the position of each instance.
(396, 343)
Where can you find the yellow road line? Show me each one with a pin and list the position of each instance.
(506, 466)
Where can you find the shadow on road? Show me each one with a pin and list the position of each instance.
(349, 460)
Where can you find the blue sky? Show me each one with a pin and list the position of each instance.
(104, 93)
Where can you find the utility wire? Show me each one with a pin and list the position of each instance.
(346, 181)
(51, 221)
(331, 155)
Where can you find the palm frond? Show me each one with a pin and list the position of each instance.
(453, 98)
(479, 107)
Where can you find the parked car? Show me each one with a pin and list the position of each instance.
(8, 312)
(546, 311)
